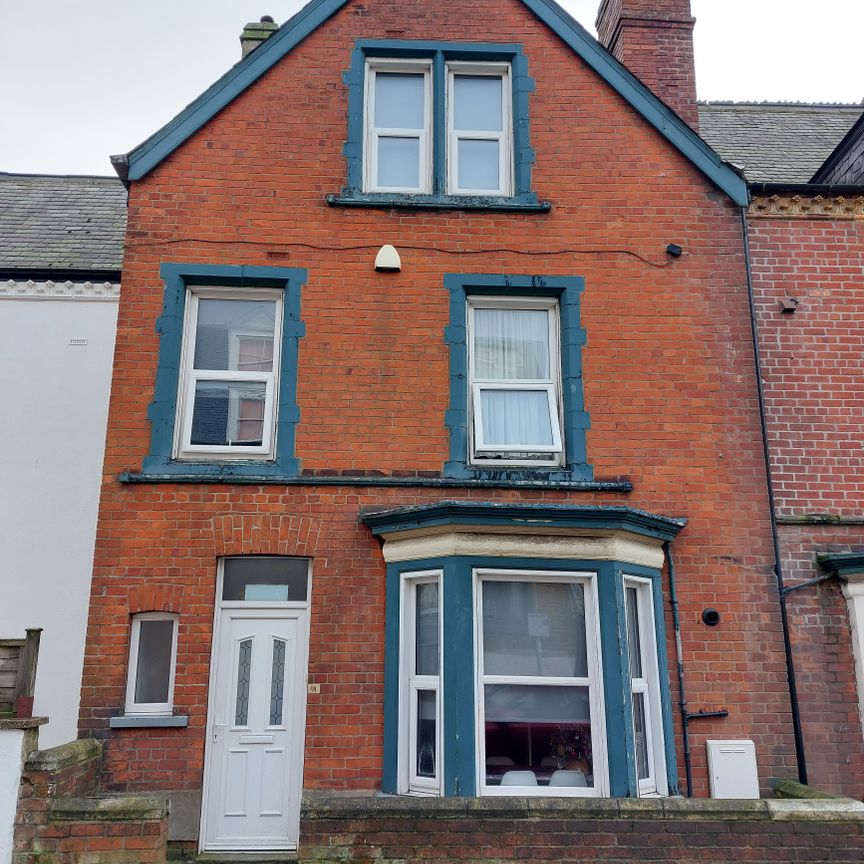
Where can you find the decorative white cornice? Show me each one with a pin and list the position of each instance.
(806, 207)
(51, 290)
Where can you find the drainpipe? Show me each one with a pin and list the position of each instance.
(778, 569)
(686, 716)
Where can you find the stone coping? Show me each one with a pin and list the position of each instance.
(64, 756)
(792, 789)
(22, 722)
(318, 806)
(110, 808)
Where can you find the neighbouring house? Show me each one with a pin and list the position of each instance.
(434, 451)
(806, 249)
(61, 250)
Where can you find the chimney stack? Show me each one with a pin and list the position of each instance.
(654, 40)
(256, 32)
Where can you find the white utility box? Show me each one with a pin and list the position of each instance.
(732, 769)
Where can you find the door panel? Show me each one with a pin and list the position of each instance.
(253, 774)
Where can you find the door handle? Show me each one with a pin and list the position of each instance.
(217, 730)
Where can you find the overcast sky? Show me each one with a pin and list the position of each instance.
(81, 79)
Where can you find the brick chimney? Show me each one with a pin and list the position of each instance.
(654, 40)
(256, 32)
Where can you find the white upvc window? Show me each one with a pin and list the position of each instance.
(152, 659)
(515, 381)
(398, 139)
(420, 690)
(479, 129)
(644, 687)
(539, 685)
(229, 377)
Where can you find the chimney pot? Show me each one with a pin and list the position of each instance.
(256, 32)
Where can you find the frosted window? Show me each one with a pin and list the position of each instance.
(399, 100)
(277, 682)
(479, 165)
(534, 629)
(244, 673)
(477, 103)
(513, 418)
(153, 670)
(399, 162)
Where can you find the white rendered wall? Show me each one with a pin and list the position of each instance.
(54, 410)
(11, 762)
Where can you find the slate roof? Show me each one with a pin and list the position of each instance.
(61, 223)
(776, 142)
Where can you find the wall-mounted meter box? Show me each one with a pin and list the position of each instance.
(732, 769)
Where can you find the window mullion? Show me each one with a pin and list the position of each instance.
(439, 124)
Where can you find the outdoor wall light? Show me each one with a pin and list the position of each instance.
(387, 260)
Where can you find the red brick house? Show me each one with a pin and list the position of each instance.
(483, 513)
(806, 251)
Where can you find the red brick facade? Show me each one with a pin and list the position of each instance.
(814, 396)
(668, 382)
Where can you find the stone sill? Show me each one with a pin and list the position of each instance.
(657, 809)
(64, 756)
(152, 722)
(110, 808)
(491, 203)
(10, 722)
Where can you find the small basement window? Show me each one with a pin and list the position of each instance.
(152, 658)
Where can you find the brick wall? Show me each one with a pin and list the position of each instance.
(668, 377)
(62, 818)
(501, 831)
(814, 396)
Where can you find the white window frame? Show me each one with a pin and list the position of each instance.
(648, 685)
(149, 709)
(594, 682)
(504, 137)
(189, 377)
(372, 133)
(483, 453)
(410, 683)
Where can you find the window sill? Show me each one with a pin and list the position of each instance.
(214, 469)
(527, 203)
(143, 721)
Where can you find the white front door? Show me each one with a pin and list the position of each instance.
(254, 766)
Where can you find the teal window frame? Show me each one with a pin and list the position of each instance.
(179, 278)
(567, 290)
(439, 54)
(457, 688)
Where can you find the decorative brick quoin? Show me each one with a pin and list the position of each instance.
(435, 462)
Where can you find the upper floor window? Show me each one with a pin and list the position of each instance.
(515, 380)
(229, 379)
(401, 134)
(439, 125)
(225, 396)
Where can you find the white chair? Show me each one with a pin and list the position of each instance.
(499, 761)
(519, 778)
(563, 777)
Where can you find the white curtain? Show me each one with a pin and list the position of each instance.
(511, 344)
(515, 418)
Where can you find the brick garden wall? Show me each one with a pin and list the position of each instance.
(668, 378)
(506, 831)
(814, 396)
(62, 819)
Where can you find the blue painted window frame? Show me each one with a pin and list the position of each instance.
(567, 290)
(457, 689)
(439, 53)
(162, 413)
